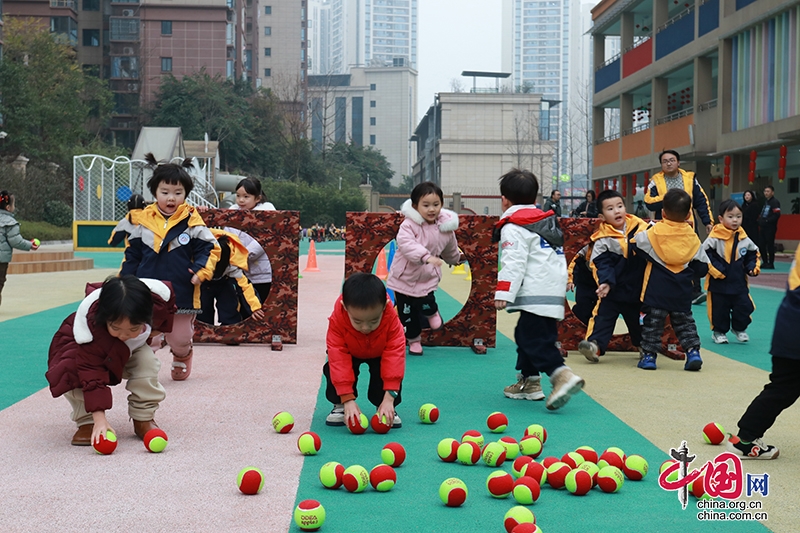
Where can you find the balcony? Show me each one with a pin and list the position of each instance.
(675, 33)
(708, 18)
(124, 29)
(637, 57)
(607, 75)
(69, 4)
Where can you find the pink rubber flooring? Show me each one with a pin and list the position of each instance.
(218, 422)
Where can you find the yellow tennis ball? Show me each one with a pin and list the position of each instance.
(428, 413)
(309, 515)
(355, 478)
(516, 516)
(331, 475)
(453, 492)
(283, 422)
(494, 454)
(309, 443)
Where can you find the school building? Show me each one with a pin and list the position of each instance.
(716, 80)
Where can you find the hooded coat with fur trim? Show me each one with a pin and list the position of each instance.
(84, 355)
(417, 240)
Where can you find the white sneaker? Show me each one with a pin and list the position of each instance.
(565, 385)
(336, 416)
(741, 336)
(397, 423)
(719, 337)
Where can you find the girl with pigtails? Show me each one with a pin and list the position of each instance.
(171, 242)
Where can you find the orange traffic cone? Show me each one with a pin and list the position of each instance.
(382, 271)
(311, 265)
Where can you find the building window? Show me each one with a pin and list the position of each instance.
(166, 64)
(357, 120)
(267, 30)
(268, 10)
(372, 103)
(372, 140)
(268, 52)
(372, 87)
(91, 37)
(166, 27)
(249, 27)
(372, 121)
(91, 5)
(248, 60)
(267, 72)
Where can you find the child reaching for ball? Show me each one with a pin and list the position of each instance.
(171, 242)
(364, 328)
(9, 236)
(104, 342)
(426, 239)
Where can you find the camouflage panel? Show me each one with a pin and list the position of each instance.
(368, 233)
(278, 232)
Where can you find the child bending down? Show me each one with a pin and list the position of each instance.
(104, 342)
(675, 259)
(171, 242)
(733, 256)
(783, 388)
(426, 239)
(533, 281)
(364, 328)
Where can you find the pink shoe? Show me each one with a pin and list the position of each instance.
(435, 321)
(415, 346)
(181, 366)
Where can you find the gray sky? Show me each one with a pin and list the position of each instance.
(453, 36)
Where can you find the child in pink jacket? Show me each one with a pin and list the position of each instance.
(425, 240)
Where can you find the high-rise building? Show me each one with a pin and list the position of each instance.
(374, 106)
(319, 37)
(373, 33)
(280, 47)
(536, 51)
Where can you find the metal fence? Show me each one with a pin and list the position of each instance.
(101, 186)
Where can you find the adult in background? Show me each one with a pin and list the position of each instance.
(674, 177)
(553, 203)
(768, 226)
(588, 207)
(750, 212)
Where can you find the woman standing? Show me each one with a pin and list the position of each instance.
(750, 212)
(588, 207)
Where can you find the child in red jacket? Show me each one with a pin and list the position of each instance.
(364, 328)
(106, 341)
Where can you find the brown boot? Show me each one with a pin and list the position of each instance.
(141, 427)
(83, 437)
(181, 366)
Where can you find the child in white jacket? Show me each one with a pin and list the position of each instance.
(426, 239)
(533, 281)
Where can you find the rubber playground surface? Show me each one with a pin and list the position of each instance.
(218, 422)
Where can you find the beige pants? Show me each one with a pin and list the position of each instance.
(146, 392)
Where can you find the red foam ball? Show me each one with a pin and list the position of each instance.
(393, 454)
(536, 471)
(382, 478)
(107, 443)
(379, 426)
(713, 433)
(588, 453)
(579, 482)
(497, 422)
(525, 487)
(500, 484)
(360, 426)
(612, 459)
(557, 474)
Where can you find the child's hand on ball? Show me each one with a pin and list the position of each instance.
(351, 412)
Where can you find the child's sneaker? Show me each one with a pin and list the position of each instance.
(751, 450)
(336, 416)
(525, 389)
(741, 336)
(693, 360)
(565, 385)
(719, 337)
(397, 423)
(589, 350)
(415, 346)
(647, 361)
(435, 321)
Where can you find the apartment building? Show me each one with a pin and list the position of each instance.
(280, 47)
(467, 140)
(716, 80)
(373, 106)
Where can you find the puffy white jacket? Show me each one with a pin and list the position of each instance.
(259, 267)
(533, 273)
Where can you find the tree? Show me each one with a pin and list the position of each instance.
(49, 106)
(201, 104)
(363, 164)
